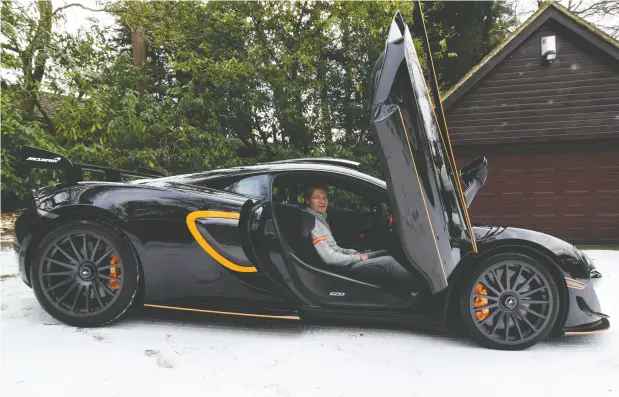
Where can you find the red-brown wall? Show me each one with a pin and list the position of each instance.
(551, 135)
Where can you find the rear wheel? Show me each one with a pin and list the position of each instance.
(85, 274)
(509, 302)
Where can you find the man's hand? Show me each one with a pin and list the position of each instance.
(362, 256)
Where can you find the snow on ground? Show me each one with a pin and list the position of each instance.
(154, 353)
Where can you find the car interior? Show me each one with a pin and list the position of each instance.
(359, 217)
(358, 214)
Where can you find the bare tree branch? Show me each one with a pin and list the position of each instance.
(57, 10)
(597, 7)
(22, 11)
(575, 7)
(598, 11)
(612, 31)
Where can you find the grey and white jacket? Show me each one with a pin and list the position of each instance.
(326, 246)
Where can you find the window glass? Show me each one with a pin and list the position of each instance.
(344, 200)
(340, 199)
(253, 186)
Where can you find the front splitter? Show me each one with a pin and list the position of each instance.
(591, 328)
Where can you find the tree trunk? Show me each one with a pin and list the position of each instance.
(325, 109)
(138, 47)
(34, 58)
(348, 84)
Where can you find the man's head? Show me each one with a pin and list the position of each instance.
(317, 198)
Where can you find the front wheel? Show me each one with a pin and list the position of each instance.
(85, 274)
(509, 302)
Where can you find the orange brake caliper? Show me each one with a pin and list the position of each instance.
(114, 272)
(480, 302)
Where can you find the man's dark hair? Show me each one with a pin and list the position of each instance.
(310, 189)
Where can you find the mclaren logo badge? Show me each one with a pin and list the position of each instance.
(510, 302)
(54, 160)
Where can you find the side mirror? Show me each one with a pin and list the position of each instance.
(474, 175)
(475, 171)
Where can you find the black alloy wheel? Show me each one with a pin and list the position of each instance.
(85, 274)
(510, 302)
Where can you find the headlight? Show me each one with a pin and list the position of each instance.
(587, 260)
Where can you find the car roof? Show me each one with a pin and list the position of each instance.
(299, 165)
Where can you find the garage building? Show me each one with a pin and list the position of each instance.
(549, 128)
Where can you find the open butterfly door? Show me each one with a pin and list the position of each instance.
(430, 215)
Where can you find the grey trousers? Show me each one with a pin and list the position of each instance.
(382, 269)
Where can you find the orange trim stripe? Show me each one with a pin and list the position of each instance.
(319, 239)
(191, 224)
(578, 284)
(423, 197)
(228, 313)
(450, 158)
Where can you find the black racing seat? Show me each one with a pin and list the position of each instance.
(295, 226)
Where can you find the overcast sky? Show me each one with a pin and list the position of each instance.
(76, 17)
(607, 20)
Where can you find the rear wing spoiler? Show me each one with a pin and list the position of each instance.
(33, 157)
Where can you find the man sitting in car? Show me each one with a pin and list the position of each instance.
(374, 267)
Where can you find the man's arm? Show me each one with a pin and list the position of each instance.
(345, 250)
(329, 255)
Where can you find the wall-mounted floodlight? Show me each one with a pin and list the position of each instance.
(549, 49)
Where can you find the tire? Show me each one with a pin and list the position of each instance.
(514, 315)
(78, 281)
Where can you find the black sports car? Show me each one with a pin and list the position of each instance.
(236, 241)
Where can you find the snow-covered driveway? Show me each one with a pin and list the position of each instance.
(155, 354)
